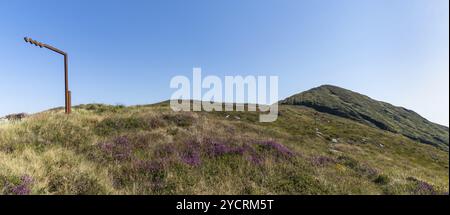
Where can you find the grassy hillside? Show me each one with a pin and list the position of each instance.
(103, 149)
(345, 103)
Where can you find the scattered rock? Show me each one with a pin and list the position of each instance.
(236, 117)
(336, 152)
(334, 140)
(381, 145)
(318, 131)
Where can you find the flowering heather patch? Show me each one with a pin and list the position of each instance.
(153, 166)
(424, 188)
(280, 149)
(253, 155)
(24, 187)
(216, 148)
(368, 171)
(256, 158)
(165, 151)
(153, 150)
(191, 157)
(119, 149)
(191, 154)
(322, 161)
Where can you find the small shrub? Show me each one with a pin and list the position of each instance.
(117, 124)
(191, 153)
(191, 157)
(382, 180)
(215, 148)
(155, 122)
(152, 171)
(422, 187)
(74, 183)
(368, 171)
(252, 155)
(21, 187)
(192, 150)
(152, 167)
(256, 158)
(279, 149)
(322, 161)
(119, 149)
(181, 119)
(348, 161)
(165, 150)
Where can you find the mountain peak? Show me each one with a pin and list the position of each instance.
(348, 104)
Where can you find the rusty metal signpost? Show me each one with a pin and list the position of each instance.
(67, 92)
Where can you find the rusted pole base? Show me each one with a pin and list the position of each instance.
(69, 103)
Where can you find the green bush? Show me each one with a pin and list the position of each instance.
(117, 124)
(382, 180)
(76, 183)
(181, 119)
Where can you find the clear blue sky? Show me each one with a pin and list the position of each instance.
(126, 52)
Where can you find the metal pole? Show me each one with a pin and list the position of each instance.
(66, 83)
(67, 94)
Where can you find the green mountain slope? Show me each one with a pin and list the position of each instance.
(102, 149)
(348, 104)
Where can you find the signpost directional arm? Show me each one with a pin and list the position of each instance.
(68, 102)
